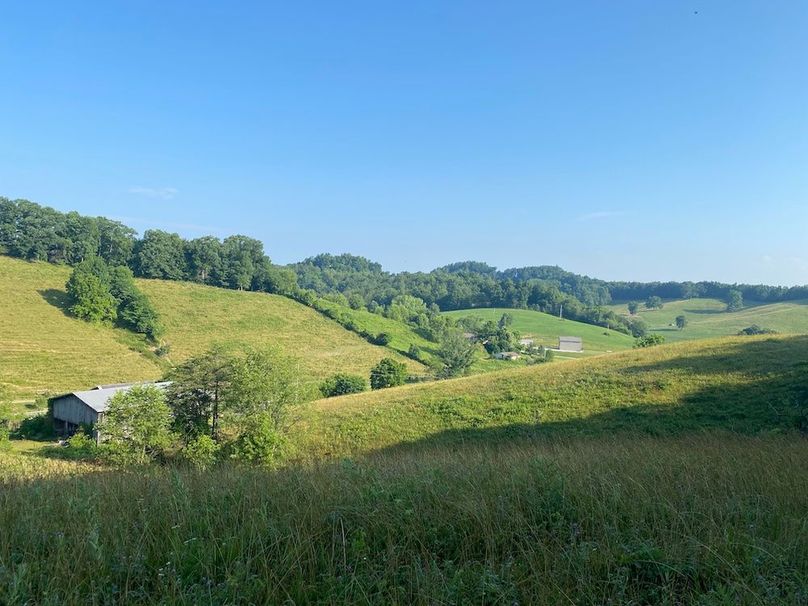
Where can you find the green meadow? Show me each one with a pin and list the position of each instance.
(545, 329)
(671, 475)
(708, 318)
(45, 350)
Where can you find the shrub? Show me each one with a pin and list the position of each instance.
(757, 330)
(163, 350)
(5, 433)
(414, 352)
(261, 442)
(649, 341)
(383, 338)
(341, 384)
(201, 452)
(38, 427)
(387, 373)
(81, 446)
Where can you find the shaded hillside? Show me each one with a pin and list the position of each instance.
(745, 384)
(44, 349)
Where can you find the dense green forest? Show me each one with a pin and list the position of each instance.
(31, 231)
(38, 233)
(475, 284)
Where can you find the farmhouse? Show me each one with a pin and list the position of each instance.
(573, 344)
(506, 355)
(86, 407)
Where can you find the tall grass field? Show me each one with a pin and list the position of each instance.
(704, 519)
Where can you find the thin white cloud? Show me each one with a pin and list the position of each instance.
(162, 193)
(602, 214)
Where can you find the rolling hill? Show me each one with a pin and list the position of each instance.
(670, 475)
(44, 349)
(545, 329)
(743, 384)
(707, 318)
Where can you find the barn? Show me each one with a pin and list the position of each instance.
(86, 407)
(573, 344)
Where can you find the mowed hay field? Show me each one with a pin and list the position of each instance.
(197, 317)
(43, 349)
(545, 329)
(741, 384)
(707, 318)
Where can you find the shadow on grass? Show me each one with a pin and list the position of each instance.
(58, 298)
(771, 396)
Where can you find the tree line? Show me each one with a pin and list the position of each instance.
(39, 233)
(31, 231)
(472, 284)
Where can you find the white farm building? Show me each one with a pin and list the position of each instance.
(572, 344)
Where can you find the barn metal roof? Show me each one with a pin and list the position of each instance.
(573, 339)
(98, 397)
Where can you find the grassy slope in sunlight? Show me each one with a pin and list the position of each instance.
(743, 384)
(43, 349)
(707, 318)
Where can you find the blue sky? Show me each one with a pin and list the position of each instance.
(626, 140)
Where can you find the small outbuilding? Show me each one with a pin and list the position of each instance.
(77, 408)
(571, 344)
(507, 355)
(526, 342)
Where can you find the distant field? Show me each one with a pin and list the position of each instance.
(545, 329)
(43, 349)
(706, 318)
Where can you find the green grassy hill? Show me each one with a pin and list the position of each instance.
(671, 475)
(43, 349)
(545, 329)
(744, 384)
(403, 335)
(707, 318)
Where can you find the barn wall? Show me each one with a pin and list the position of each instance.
(69, 408)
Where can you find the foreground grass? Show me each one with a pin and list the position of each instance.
(707, 318)
(707, 519)
(742, 384)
